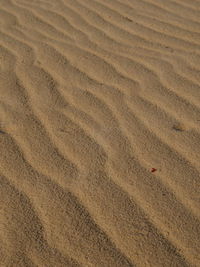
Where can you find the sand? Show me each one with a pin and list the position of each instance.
(99, 133)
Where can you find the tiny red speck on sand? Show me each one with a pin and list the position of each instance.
(153, 170)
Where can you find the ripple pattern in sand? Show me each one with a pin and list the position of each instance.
(93, 95)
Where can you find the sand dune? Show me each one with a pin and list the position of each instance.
(99, 133)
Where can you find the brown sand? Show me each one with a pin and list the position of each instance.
(93, 95)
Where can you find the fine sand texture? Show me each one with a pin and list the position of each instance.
(99, 133)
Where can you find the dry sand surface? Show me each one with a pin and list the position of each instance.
(99, 133)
